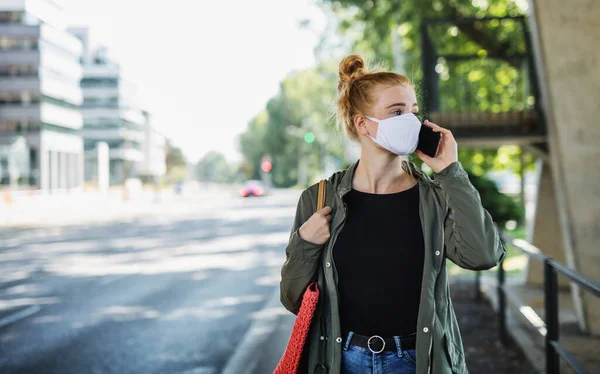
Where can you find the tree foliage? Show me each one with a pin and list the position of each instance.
(375, 25)
(502, 207)
(302, 105)
(213, 167)
(176, 163)
(174, 156)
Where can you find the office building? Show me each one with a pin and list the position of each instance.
(153, 166)
(40, 95)
(110, 113)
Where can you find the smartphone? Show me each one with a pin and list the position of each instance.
(428, 141)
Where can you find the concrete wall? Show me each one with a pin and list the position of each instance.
(545, 228)
(567, 41)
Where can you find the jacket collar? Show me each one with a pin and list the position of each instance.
(345, 177)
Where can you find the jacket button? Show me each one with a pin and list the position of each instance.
(339, 340)
(437, 253)
(322, 337)
(328, 264)
(425, 329)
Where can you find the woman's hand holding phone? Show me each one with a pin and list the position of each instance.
(447, 152)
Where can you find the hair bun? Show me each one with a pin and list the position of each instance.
(351, 68)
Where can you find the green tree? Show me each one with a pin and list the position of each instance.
(502, 207)
(251, 144)
(375, 26)
(302, 105)
(176, 163)
(174, 156)
(213, 167)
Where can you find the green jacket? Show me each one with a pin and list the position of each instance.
(455, 226)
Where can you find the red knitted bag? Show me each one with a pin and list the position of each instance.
(290, 361)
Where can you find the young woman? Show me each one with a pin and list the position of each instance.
(378, 248)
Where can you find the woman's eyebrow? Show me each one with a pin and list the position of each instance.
(396, 104)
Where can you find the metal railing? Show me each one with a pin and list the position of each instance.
(554, 349)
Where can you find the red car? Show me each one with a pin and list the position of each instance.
(252, 188)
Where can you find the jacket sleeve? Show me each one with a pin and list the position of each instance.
(472, 241)
(302, 257)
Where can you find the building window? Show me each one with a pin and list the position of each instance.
(19, 127)
(89, 144)
(99, 82)
(115, 144)
(102, 123)
(24, 98)
(18, 43)
(11, 17)
(18, 71)
(101, 102)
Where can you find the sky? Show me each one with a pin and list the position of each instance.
(203, 68)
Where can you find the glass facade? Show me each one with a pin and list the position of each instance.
(102, 123)
(99, 82)
(19, 127)
(23, 97)
(18, 70)
(18, 17)
(100, 102)
(18, 43)
(40, 94)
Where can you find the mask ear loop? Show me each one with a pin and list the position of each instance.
(374, 120)
(378, 132)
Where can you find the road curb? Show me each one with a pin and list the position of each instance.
(249, 351)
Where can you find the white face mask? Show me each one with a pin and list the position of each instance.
(399, 135)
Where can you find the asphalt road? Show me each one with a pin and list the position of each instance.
(173, 291)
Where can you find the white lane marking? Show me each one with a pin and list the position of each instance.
(19, 315)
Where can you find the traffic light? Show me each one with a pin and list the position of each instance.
(266, 166)
(309, 137)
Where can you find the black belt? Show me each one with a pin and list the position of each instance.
(377, 344)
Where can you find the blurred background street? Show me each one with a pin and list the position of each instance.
(172, 291)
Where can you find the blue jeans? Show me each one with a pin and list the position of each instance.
(359, 360)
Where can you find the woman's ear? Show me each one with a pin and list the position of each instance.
(360, 123)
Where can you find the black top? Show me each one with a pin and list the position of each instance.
(379, 258)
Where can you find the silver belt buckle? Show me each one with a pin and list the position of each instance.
(369, 343)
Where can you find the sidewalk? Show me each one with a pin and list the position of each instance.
(478, 326)
(93, 207)
(67, 208)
